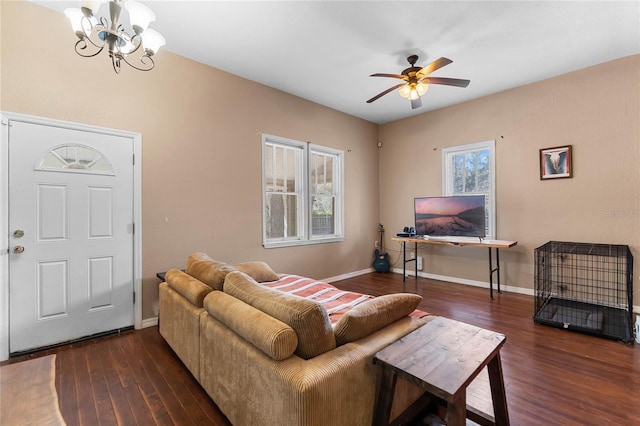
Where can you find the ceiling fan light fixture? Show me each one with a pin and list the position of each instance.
(422, 88)
(405, 91)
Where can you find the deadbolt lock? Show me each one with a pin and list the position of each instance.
(18, 233)
(18, 249)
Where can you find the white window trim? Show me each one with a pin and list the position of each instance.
(447, 183)
(304, 214)
(338, 182)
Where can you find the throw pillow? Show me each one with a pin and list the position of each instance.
(209, 271)
(259, 271)
(308, 318)
(373, 315)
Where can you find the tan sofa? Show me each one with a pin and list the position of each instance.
(271, 358)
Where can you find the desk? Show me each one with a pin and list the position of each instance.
(457, 241)
(443, 357)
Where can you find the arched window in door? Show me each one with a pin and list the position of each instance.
(75, 158)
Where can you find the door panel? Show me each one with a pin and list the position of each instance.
(71, 193)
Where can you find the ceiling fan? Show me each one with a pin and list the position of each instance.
(417, 80)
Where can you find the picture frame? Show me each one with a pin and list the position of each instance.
(556, 162)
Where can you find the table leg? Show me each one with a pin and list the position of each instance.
(490, 275)
(404, 261)
(498, 394)
(415, 259)
(498, 267)
(457, 409)
(382, 409)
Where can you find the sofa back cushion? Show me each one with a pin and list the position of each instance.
(308, 318)
(259, 271)
(190, 288)
(273, 337)
(209, 271)
(373, 315)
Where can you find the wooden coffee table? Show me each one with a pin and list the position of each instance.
(443, 357)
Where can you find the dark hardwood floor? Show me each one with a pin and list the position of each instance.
(552, 376)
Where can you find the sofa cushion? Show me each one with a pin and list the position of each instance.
(271, 336)
(373, 315)
(190, 288)
(259, 271)
(308, 319)
(209, 271)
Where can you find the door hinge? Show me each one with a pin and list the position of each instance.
(133, 228)
(134, 159)
(134, 297)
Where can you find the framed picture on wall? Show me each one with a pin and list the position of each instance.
(556, 163)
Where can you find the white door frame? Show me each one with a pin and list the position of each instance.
(7, 118)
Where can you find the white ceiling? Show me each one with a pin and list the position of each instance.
(324, 51)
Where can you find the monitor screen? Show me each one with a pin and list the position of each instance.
(460, 215)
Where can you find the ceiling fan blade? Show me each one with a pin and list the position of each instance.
(416, 103)
(404, 77)
(437, 64)
(390, 89)
(447, 81)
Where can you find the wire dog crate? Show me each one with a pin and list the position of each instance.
(585, 287)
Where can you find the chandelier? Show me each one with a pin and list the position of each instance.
(95, 33)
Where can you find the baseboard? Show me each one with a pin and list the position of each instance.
(474, 283)
(349, 275)
(149, 322)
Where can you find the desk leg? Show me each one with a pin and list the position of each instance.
(415, 260)
(382, 409)
(404, 261)
(498, 394)
(492, 270)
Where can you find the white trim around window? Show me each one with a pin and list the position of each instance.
(302, 193)
(478, 160)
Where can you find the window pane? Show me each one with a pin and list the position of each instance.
(323, 215)
(75, 158)
(483, 172)
(458, 174)
(470, 172)
(281, 215)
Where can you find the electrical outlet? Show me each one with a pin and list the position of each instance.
(419, 263)
(376, 244)
(412, 255)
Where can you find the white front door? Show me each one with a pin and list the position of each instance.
(71, 267)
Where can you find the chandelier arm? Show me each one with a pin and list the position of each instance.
(115, 61)
(145, 60)
(82, 44)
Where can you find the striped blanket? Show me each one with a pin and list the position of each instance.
(337, 302)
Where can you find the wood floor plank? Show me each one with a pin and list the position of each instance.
(552, 376)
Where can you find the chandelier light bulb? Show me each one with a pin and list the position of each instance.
(93, 5)
(139, 15)
(75, 17)
(153, 40)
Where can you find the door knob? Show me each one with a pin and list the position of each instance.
(18, 233)
(18, 249)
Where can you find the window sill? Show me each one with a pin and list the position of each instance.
(294, 243)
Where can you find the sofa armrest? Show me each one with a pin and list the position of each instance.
(188, 287)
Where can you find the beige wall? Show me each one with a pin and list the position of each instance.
(201, 132)
(597, 110)
(201, 145)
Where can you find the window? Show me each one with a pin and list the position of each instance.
(73, 157)
(302, 193)
(470, 169)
